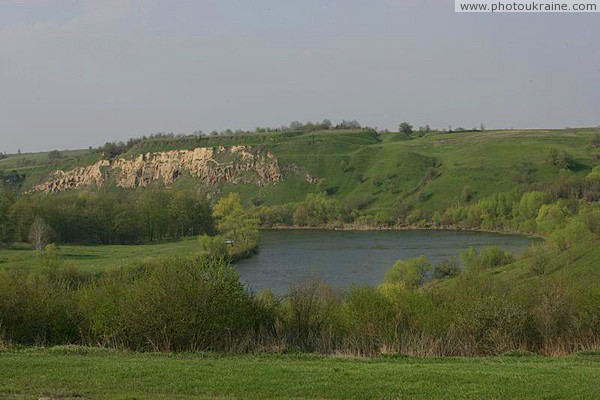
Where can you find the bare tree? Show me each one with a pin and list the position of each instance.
(39, 234)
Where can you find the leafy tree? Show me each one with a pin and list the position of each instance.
(6, 202)
(54, 155)
(236, 224)
(562, 160)
(406, 129)
(40, 234)
(152, 205)
(530, 204)
(552, 217)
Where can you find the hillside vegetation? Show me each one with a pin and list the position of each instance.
(360, 167)
(540, 182)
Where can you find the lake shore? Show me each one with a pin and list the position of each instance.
(362, 228)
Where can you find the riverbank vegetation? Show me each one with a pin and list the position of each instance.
(547, 302)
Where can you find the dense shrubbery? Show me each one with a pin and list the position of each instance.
(199, 304)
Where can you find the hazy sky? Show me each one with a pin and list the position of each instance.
(80, 73)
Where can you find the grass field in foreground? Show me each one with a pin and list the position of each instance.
(64, 372)
(92, 258)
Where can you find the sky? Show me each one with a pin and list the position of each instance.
(79, 73)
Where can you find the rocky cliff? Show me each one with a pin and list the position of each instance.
(237, 164)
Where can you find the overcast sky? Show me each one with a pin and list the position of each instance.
(80, 73)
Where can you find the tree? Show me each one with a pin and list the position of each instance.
(6, 202)
(562, 160)
(406, 129)
(54, 155)
(596, 141)
(236, 224)
(40, 234)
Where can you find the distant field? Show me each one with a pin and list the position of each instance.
(64, 372)
(98, 258)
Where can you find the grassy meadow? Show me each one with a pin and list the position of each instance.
(97, 258)
(76, 372)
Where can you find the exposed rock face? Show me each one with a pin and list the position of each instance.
(75, 178)
(237, 164)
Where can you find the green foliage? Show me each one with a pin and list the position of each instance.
(551, 217)
(406, 129)
(368, 320)
(185, 304)
(490, 257)
(446, 269)
(411, 272)
(319, 210)
(54, 155)
(237, 225)
(111, 217)
(213, 246)
(562, 160)
(310, 313)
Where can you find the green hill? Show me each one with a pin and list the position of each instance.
(362, 168)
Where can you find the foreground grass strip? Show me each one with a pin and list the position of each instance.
(65, 372)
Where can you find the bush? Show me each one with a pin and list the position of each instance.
(411, 272)
(446, 269)
(214, 247)
(369, 320)
(310, 314)
(186, 304)
(539, 259)
(488, 258)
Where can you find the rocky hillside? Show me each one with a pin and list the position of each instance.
(366, 171)
(236, 164)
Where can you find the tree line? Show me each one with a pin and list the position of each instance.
(105, 217)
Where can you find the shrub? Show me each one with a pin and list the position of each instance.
(214, 247)
(186, 304)
(310, 313)
(539, 259)
(411, 272)
(488, 258)
(446, 269)
(495, 257)
(369, 320)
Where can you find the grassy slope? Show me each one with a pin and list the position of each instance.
(357, 165)
(91, 373)
(581, 263)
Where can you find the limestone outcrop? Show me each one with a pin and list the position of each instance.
(237, 164)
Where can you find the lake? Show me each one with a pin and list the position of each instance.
(344, 258)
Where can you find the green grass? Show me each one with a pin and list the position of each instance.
(71, 372)
(91, 258)
(357, 164)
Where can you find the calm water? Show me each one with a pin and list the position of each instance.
(344, 258)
